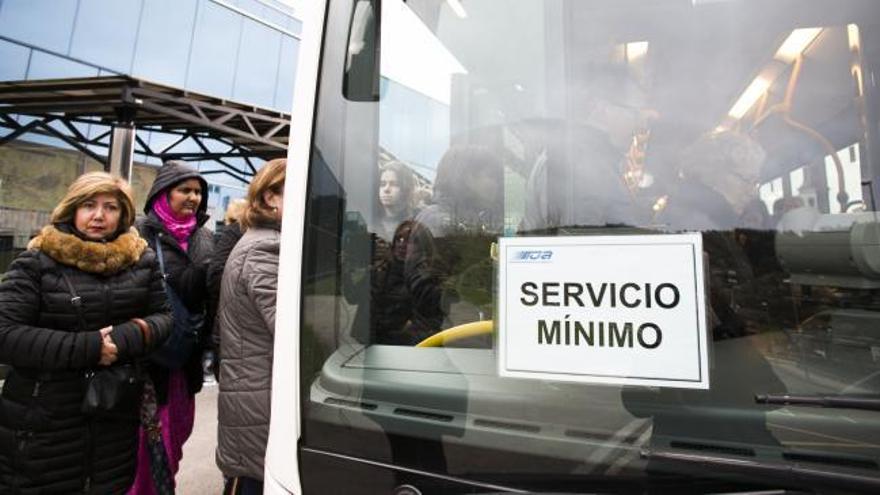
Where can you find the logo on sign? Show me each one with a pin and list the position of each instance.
(532, 255)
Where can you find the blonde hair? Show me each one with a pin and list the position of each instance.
(235, 210)
(269, 178)
(89, 185)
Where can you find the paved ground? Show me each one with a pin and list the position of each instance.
(198, 472)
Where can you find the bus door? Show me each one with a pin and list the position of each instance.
(563, 246)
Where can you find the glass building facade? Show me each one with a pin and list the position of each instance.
(241, 50)
(238, 50)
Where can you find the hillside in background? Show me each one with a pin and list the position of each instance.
(35, 177)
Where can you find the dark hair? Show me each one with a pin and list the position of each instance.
(459, 166)
(407, 180)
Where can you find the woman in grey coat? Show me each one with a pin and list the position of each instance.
(246, 325)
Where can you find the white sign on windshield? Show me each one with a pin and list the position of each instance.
(624, 310)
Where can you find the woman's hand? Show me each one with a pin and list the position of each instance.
(108, 348)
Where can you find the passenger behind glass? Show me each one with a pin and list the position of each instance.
(717, 186)
(365, 276)
(448, 270)
(384, 316)
(397, 198)
(467, 194)
(716, 194)
(579, 182)
(390, 299)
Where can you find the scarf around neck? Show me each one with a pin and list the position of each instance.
(179, 227)
(103, 258)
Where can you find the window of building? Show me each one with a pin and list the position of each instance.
(105, 32)
(164, 38)
(258, 64)
(45, 24)
(215, 50)
(286, 73)
(47, 66)
(13, 61)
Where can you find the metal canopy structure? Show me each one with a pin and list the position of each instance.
(220, 130)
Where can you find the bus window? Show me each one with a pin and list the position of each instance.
(751, 123)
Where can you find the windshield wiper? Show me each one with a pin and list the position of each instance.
(869, 403)
(768, 472)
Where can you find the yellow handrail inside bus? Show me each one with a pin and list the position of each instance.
(459, 332)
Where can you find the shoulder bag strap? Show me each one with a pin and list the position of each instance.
(161, 258)
(75, 299)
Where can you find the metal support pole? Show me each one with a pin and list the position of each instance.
(121, 150)
(869, 145)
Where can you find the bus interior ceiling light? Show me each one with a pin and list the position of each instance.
(796, 43)
(749, 97)
(636, 50)
(852, 35)
(457, 7)
(790, 49)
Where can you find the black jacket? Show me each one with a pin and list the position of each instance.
(445, 262)
(47, 445)
(225, 240)
(186, 271)
(384, 303)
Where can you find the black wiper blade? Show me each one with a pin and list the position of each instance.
(793, 475)
(832, 401)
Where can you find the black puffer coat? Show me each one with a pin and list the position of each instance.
(47, 445)
(448, 270)
(186, 270)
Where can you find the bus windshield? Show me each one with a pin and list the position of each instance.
(447, 128)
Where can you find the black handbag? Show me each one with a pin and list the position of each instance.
(115, 389)
(184, 338)
(110, 389)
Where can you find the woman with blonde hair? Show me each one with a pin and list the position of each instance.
(234, 211)
(83, 303)
(246, 323)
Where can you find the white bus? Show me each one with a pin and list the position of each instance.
(569, 246)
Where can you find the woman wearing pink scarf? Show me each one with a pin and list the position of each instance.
(175, 217)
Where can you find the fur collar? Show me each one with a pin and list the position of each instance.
(103, 258)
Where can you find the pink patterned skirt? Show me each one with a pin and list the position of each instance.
(176, 419)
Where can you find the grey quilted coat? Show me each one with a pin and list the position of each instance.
(246, 325)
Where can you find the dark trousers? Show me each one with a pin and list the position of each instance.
(243, 486)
